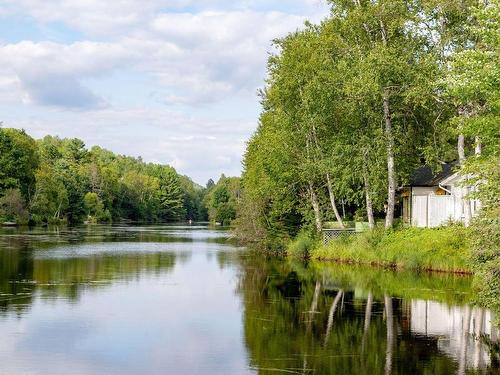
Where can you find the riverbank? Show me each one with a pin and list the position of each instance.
(443, 249)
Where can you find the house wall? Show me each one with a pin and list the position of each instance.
(431, 210)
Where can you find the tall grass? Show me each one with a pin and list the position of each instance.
(439, 249)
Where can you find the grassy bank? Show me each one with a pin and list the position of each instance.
(442, 249)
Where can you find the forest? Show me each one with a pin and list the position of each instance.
(54, 181)
(353, 105)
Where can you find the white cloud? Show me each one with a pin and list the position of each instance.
(197, 146)
(198, 57)
(51, 73)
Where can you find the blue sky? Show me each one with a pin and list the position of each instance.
(174, 81)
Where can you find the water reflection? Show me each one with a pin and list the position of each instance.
(61, 262)
(185, 300)
(333, 319)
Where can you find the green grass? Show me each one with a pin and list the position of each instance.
(440, 249)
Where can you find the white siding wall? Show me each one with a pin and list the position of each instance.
(431, 210)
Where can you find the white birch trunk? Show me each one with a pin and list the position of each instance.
(332, 201)
(391, 172)
(316, 208)
(369, 203)
(465, 189)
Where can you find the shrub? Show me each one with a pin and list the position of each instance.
(302, 246)
(485, 241)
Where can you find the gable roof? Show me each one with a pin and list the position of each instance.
(425, 176)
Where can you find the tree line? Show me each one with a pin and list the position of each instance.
(353, 105)
(56, 180)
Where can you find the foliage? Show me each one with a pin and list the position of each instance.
(351, 107)
(301, 246)
(18, 162)
(95, 208)
(439, 249)
(474, 85)
(50, 200)
(13, 207)
(485, 240)
(61, 180)
(222, 200)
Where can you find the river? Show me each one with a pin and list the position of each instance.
(186, 300)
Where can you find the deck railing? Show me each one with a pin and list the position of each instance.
(331, 234)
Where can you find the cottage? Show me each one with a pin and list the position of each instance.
(432, 199)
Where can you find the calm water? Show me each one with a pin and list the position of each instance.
(184, 300)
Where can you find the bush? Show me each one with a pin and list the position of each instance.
(302, 246)
(485, 241)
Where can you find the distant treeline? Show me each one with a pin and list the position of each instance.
(56, 180)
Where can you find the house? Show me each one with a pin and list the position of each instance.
(431, 199)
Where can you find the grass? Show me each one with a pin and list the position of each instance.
(439, 249)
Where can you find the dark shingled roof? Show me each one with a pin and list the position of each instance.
(425, 176)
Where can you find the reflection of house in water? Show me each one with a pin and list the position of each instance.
(456, 329)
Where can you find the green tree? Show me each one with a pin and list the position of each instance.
(222, 200)
(18, 161)
(474, 85)
(95, 208)
(171, 195)
(13, 207)
(50, 200)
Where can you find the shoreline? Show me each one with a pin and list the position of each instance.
(392, 266)
(444, 249)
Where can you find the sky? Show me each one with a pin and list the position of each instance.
(173, 81)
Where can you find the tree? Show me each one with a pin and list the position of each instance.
(95, 208)
(222, 200)
(18, 161)
(171, 195)
(474, 85)
(13, 207)
(50, 199)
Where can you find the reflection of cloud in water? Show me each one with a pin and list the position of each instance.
(117, 248)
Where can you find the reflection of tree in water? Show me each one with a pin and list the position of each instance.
(308, 319)
(21, 274)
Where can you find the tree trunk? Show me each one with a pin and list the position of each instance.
(316, 208)
(391, 173)
(369, 203)
(465, 189)
(332, 200)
